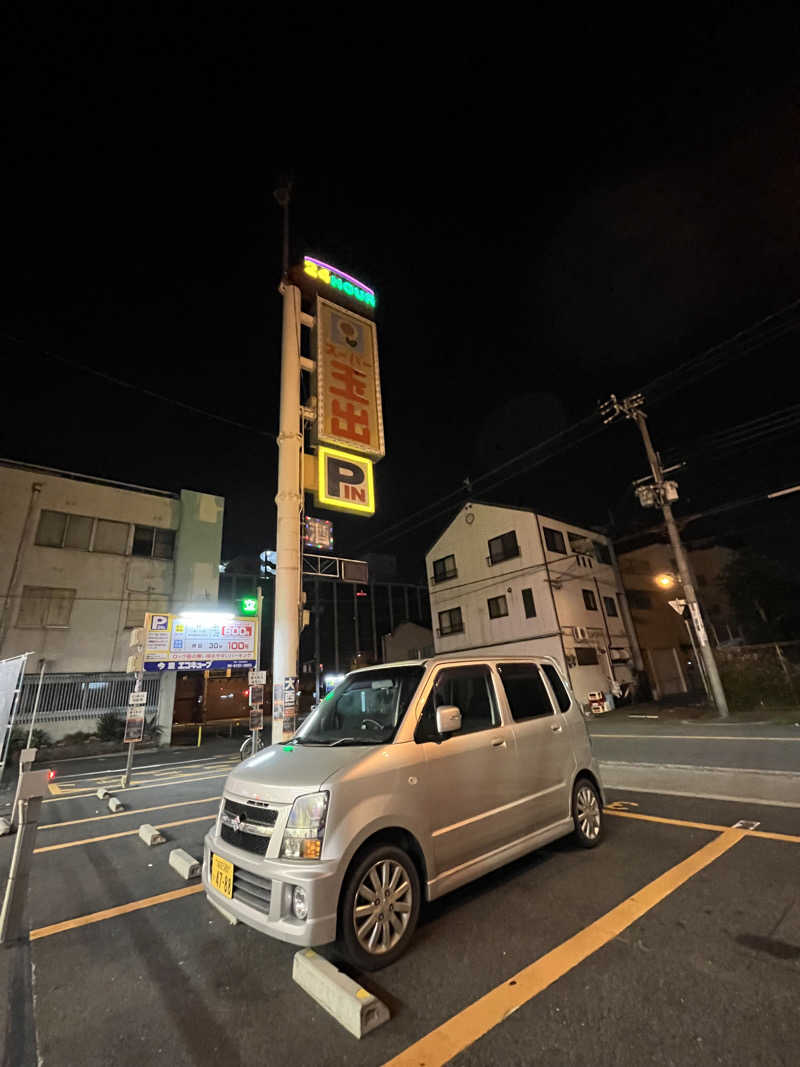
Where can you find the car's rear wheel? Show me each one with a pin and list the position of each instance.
(379, 907)
(587, 813)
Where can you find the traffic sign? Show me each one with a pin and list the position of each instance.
(256, 677)
(137, 697)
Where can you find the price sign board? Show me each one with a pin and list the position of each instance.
(195, 643)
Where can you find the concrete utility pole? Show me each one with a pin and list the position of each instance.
(289, 499)
(660, 495)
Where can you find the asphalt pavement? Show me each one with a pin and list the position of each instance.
(756, 746)
(676, 941)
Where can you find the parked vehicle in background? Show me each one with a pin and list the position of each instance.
(409, 780)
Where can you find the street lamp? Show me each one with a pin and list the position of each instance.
(665, 581)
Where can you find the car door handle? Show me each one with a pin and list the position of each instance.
(555, 727)
(498, 743)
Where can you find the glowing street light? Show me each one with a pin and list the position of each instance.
(665, 581)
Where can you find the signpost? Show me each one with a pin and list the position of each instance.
(347, 428)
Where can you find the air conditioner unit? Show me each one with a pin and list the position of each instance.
(581, 633)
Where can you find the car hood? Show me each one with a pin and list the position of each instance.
(282, 772)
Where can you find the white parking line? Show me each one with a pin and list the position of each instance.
(177, 764)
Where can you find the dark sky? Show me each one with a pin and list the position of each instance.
(548, 212)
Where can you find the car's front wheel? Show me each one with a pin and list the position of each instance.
(587, 813)
(380, 906)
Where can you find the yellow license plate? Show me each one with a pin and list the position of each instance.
(222, 875)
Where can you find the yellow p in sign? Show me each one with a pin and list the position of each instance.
(344, 481)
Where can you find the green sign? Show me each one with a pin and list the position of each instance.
(248, 605)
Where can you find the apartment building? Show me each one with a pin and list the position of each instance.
(509, 580)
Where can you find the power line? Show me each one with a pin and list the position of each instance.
(140, 388)
(741, 435)
(706, 362)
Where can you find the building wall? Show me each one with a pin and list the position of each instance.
(407, 641)
(555, 581)
(111, 590)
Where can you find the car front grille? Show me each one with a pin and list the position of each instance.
(252, 889)
(252, 813)
(247, 842)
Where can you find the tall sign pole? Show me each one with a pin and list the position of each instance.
(289, 501)
(662, 493)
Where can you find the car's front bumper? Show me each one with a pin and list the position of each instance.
(319, 878)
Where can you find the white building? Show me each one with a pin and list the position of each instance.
(81, 560)
(505, 579)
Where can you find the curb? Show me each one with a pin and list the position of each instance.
(740, 784)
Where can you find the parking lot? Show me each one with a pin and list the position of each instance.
(676, 941)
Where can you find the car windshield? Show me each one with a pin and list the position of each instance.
(365, 709)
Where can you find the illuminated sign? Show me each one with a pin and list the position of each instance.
(248, 605)
(348, 387)
(201, 642)
(337, 279)
(318, 533)
(344, 481)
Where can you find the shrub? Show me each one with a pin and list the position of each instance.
(19, 739)
(110, 727)
(76, 738)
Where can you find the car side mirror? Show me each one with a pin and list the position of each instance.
(448, 719)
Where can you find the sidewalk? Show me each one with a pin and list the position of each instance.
(686, 713)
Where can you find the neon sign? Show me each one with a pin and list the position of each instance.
(337, 279)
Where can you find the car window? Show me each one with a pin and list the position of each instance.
(470, 690)
(366, 708)
(554, 678)
(527, 696)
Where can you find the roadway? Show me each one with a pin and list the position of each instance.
(755, 746)
(677, 940)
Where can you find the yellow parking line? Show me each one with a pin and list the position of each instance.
(133, 788)
(122, 833)
(122, 814)
(700, 825)
(110, 913)
(463, 1029)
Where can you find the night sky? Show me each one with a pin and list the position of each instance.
(548, 212)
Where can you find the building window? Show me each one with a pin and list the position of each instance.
(585, 656)
(450, 622)
(153, 541)
(503, 547)
(589, 601)
(444, 568)
(44, 607)
(639, 600)
(580, 544)
(601, 553)
(498, 607)
(528, 604)
(554, 539)
(60, 530)
(526, 693)
(611, 607)
(111, 537)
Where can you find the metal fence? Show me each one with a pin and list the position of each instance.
(67, 697)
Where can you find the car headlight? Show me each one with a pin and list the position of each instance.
(305, 829)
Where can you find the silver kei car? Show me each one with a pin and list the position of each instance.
(409, 780)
